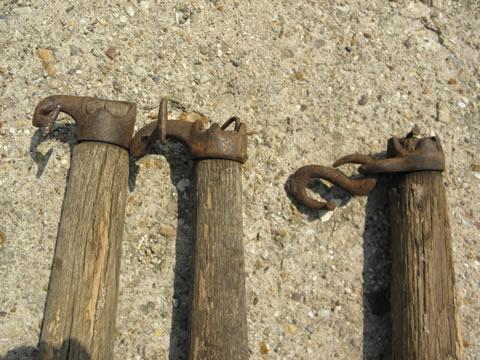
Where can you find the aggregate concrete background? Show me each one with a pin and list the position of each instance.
(313, 80)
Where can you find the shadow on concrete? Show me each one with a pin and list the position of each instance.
(182, 169)
(377, 263)
(377, 331)
(70, 349)
(321, 192)
(65, 133)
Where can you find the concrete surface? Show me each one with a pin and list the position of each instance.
(313, 80)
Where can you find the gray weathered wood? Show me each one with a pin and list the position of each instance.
(79, 319)
(424, 314)
(219, 314)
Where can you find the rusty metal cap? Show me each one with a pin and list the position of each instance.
(216, 142)
(404, 155)
(99, 120)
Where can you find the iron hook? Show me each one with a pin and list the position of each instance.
(301, 178)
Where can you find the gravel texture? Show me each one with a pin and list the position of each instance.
(313, 80)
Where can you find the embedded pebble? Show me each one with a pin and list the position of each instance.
(148, 307)
(443, 114)
(327, 216)
(292, 329)
(363, 100)
(22, 11)
(324, 313)
(264, 348)
(3, 238)
(299, 75)
(464, 75)
(117, 85)
(183, 184)
(144, 5)
(130, 10)
(46, 55)
(111, 52)
(182, 16)
(167, 231)
(192, 117)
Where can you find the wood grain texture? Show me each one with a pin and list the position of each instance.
(424, 313)
(79, 319)
(219, 314)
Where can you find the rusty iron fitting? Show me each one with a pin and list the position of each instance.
(212, 143)
(299, 181)
(404, 155)
(96, 119)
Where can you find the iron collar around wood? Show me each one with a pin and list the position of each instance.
(212, 143)
(403, 155)
(97, 119)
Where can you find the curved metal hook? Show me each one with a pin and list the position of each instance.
(153, 132)
(233, 119)
(403, 155)
(100, 120)
(158, 130)
(301, 178)
(48, 109)
(212, 143)
(47, 118)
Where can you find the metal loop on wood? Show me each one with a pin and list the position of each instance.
(403, 155)
(233, 119)
(212, 143)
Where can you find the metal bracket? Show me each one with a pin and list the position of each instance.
(97, 119)
(212, 143)
(404, 155)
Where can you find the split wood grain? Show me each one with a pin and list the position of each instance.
(218, 313)
(79, 318)
(424, 313)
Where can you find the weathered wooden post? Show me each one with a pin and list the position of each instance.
(424, 314)
(82, 295)
(218, 327)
